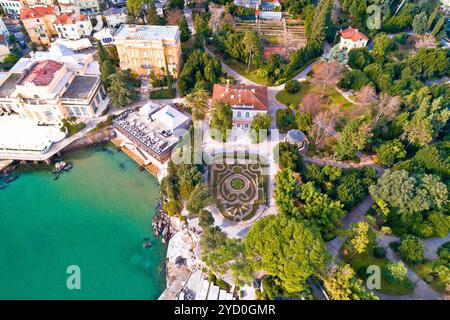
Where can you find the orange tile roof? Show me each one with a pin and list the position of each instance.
(352, 34)
(42, 72)
(255, 96)
(37, 12)
(70, 18)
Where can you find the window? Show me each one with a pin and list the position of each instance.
(247, 114)
(246, 126)
(239, 114)
(238, 125)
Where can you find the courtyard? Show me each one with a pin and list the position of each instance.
(240, 188)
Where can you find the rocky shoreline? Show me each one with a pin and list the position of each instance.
(92, 138)
(162, 226)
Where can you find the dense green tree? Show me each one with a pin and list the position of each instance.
(102, 54)
(198, 102)
(359, 58)
(288, 156)
(253, 48)
(199, 198)
(288, 249)
(292, 86)
(287, 190)
(304, 121)
(106, 71)
(260, 122)
(389, 152)
(420, 23)
(121, 93)
(206, 219)
(412, 250)
(185, 32)
(427, 121)
(340, 283)
(409, 193)
(221, 120)
(189, 176)
(354, 137)
(382, 45)
(320, 210)
(356, 238)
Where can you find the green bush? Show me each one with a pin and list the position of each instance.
(395, 246)
(285, 119)
(412, 250)
(428, 278)
(395, 272)
(292, 86)
(379, 252)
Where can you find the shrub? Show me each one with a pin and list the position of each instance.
(379, 252)
(285, 119)
(222, 284)
(428, 278)
(292, 86)
(412, 250)
(395, 272)
(395, 246)
(440, 223)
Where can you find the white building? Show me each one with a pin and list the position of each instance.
(351, 39)
(3, 29)
(51, 86)
(446, 6)
(12, 7)
(115, 16)
(80, 6)
(73, 26)
(105, 36)
(32, 3)
(247, 3)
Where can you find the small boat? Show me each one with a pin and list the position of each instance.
(147, 243)
(59, 166)
(11, 179)
(67, 167)
(56, 177)
(141, 168)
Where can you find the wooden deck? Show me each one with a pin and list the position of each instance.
(154, 170)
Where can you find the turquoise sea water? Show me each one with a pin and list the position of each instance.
(95, 217)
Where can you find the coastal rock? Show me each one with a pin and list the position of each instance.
(102, 135)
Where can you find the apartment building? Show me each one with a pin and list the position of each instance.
(12, 7)
(115, 16)
(47, 89)
(80, 6)
(73, 26)
(147, 49)
(4, 48)
(34, 3)
(38, 22)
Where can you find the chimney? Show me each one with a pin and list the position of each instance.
(228, 85)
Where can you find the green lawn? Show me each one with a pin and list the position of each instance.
(250, 74)
(273, 39)
(163, 94)
(424, 270)
(331, 94)
(365, 259)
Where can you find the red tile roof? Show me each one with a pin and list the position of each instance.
(37, 12)
(42, 72)
(70, 18)
(352, 34)
(242, 95)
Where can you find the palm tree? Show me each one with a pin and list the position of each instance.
(198, 102)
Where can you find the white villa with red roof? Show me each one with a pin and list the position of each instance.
(246, 101)
(73, 26)
(351, 39)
